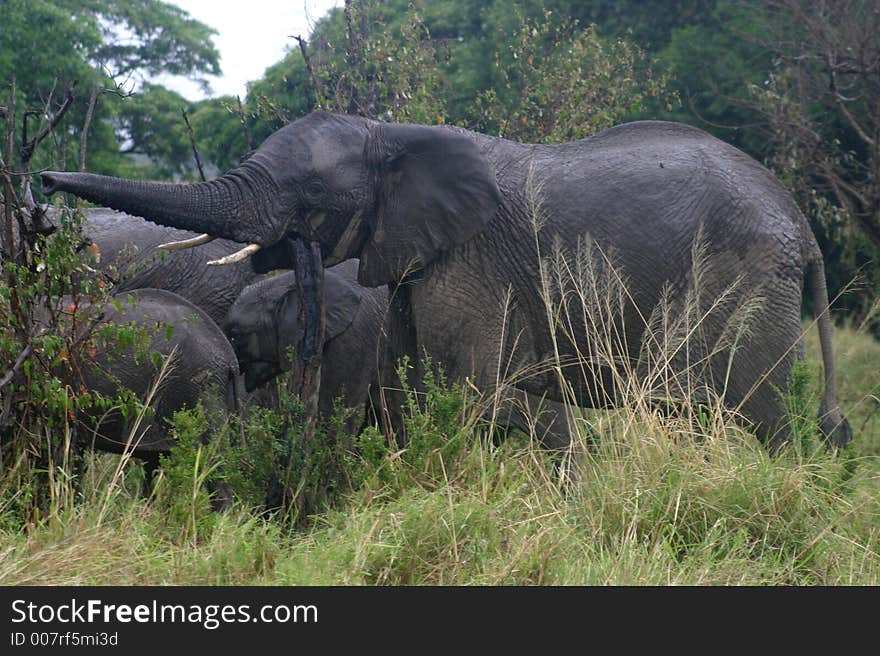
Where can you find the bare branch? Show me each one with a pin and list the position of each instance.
(244, 128)
(192, 142)
(316, 83)
(277, 112)
(15, 367)
(841, 103)
(90, 113)
(28, 147)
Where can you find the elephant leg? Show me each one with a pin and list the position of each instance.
(390, 413)
(78, 468)
(550, 424)
(760, 379)
(150, 464)
(545, 421)
(221, 495)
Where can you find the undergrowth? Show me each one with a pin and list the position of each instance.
(655, 501)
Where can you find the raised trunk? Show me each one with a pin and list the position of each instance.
(239, 205)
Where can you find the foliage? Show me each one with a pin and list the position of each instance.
(51, 313)
(148, 36)
(559, 82)
(152, 124)
(245, 453)
(325, 471)
(106, 45)
(220, 134)
(44, 41)
(184, 497)
(819, 104)
(713, 61)
(356, 63)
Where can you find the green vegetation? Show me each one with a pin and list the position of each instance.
(652, 503)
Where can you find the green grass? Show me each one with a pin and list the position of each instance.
(649, 505)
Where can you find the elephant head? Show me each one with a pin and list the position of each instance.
(264, 322)
(395, 196)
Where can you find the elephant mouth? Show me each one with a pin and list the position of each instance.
(257, 373)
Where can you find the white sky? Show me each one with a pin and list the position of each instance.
(251, 36)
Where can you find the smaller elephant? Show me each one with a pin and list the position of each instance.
(203, 369)
(263, 326)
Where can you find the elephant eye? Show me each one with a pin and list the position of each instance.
(314, 189)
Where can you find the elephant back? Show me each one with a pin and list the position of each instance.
(128, 247)
(199, 366)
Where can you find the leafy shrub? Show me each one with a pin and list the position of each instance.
(52, 329)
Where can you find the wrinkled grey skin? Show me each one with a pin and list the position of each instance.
(128, 244)
(451, 214)
(204, 369)
(264, 324)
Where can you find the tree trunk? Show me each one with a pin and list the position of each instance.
(305, 377)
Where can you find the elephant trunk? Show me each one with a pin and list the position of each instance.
(236, 206)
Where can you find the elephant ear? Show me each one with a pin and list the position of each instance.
(342, 298)
(435, 190)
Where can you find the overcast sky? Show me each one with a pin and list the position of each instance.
(251, 36)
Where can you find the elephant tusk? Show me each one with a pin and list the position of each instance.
(186, 243)
(238, 256)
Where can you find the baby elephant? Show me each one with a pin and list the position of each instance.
(263, 326)
(203, 368)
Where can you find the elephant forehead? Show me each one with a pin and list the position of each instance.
(342, 163)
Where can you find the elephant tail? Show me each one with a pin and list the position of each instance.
(831, 420)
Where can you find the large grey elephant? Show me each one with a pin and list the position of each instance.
(128, 246)
(463, 227)
(263, 326)
(203, 368)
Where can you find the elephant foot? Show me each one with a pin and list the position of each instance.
(150, 464)
(835, 427)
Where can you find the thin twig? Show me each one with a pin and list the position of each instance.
(28, 147)
(90, 113)
(247, 135)
(15, 367)
(192, 142)
(316, 83)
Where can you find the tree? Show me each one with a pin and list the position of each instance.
(106, 45)
(558, 81)
(822, 100)
(821, 106)
(150, 125)
(359, 64)
(713, 61)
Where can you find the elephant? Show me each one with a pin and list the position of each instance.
(475, 236)
(203, 369)
(129, 244)
(263, 325)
